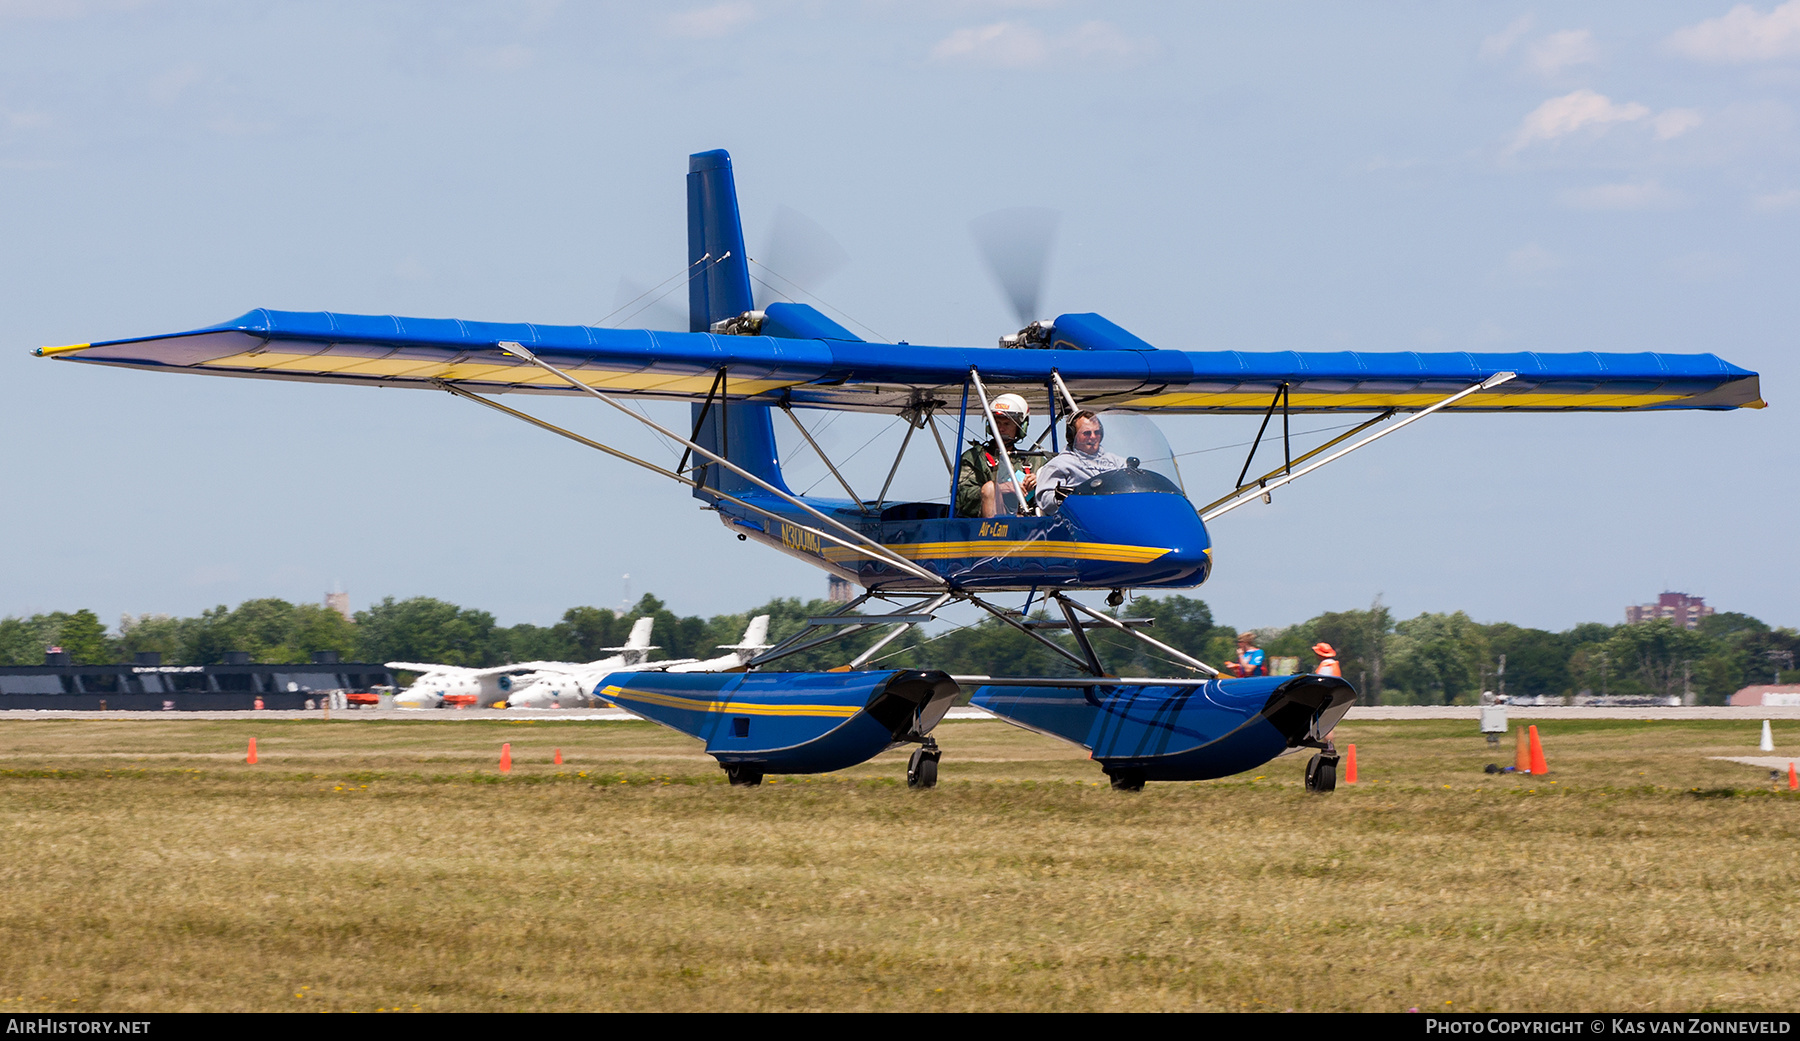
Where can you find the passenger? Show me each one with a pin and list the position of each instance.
(977, 494)
(1328, 660)
(1251, 661)
(1084, 460)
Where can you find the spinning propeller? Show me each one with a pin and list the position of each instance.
(800, 255)
(1016, 245)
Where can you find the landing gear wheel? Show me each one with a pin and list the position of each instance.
(1127, 781)
(743, 775)
(1321, 772)
(921, 769)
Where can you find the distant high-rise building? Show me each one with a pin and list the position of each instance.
(339, 602)
(838, 591)
(1680, 608)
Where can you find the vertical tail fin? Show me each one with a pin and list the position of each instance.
(719, 279)
(719, 288)
(756, 636)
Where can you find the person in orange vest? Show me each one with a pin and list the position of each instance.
(1328, 660)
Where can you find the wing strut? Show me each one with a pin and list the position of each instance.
(1280, 398)
(1304, 456)
(717, 389)
(652, 467)
(1190, 661)
(1245, 495)
(918, 607)
(881, 552)
(1012, 475)
(820, 452)
(881, 497)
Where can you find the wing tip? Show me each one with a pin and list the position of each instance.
(51, 352)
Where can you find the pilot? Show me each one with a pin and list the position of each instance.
(977, 494)
(1084, 460)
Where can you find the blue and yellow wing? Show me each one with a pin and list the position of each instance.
(814, 362)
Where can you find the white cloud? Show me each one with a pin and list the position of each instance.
(1742, 35)
(1558, 51)
(1674, 122)
(712, 22)
(1009, 45)
(167, 88)
(28, 120)
(1704, 266)
(1498, 44)
(1641, 195)
(1773, 202)
(1532, 259)
(1015, 45)
(509, 58)
(1560, 117)
(1102, 40)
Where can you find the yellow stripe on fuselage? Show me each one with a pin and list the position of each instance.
(1014, 548)
(736, 708)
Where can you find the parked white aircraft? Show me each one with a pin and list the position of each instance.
(575, 687)
(756, 638)
(505, 683)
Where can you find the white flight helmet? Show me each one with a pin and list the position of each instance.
(1016, 409)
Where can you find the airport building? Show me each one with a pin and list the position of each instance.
(1680, 608)
(149, 684)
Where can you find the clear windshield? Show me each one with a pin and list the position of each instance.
(1132, 456)
(1130, 436)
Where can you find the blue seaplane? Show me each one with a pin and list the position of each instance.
(1126, 523)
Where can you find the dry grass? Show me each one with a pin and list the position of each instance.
(375, 866)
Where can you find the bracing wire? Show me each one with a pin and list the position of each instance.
(802, 290)
(1240, 444)
(849, 457)
(653, 289)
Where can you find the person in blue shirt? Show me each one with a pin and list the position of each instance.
(1251, 660)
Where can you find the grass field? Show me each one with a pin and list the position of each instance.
(387, 866)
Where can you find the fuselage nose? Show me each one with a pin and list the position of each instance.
(1151, 538)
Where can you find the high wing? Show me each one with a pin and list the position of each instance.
(804, 358)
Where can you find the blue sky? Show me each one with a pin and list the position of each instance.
(1608, 177)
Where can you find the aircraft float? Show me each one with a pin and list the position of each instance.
(746, 369)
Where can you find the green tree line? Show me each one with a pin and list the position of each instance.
(1430, 659)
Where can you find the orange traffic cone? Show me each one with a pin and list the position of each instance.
(251, 758)
(559, 757)
(1521, 757)
(506, 758)
(1793, 779)
(1350, 765)
(1538, 766)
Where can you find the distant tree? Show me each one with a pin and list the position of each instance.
(154, 632)
(1537, 662)
(23, 641)
(424, 629)
(1654, 658)
(1436, 658)
(316, 627)
(585, 632)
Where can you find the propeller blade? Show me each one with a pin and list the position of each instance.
(800, 253)
(1016, 245)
